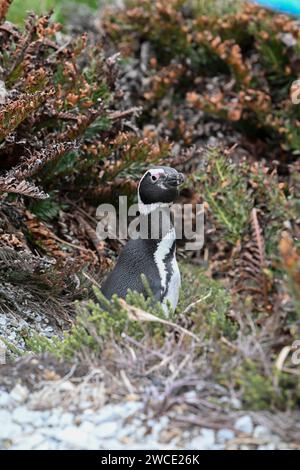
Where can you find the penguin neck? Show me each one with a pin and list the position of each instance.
(146, 209)
(158, 221)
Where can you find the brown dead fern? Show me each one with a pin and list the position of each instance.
(10, 184)
(38, 159)
(251, 274)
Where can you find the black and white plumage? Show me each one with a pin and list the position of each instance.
(155, 258)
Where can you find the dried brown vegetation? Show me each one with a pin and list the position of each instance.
(64, 141)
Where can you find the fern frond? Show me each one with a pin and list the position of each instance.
(252, 265)
(12, 185)
(40, 158)
(16, 111)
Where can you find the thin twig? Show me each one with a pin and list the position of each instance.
(120, 114)
(193, 304)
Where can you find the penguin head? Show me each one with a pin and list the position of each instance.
(160, 185)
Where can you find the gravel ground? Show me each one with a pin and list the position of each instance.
(62, 415)
(13, 328)
(44, 405)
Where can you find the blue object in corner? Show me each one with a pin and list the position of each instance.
(285, 6)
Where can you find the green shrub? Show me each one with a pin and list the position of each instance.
(260, 392)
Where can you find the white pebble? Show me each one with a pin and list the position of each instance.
(244, 424)
(19, 393)
(29, 442)
(204, 441)
(107, 430)
(22, 415)
(261, 431)
(5, 399)
(10, 430)
(224, 435)
(77, 438)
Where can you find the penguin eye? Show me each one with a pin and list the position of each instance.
(154, 178)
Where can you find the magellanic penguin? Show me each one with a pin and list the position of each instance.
(153, 257)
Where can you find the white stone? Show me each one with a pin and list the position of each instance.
(22, 415)
(73, 436)
(55, 417)
(66, 419)
(244, 424)
(28, 428)
(261, 431)
(19, 393)
(87, 427)
(29, 442)
(77, 438)
(157, 426)
(217, 447)
(224, 435)
(5, 399)
(113, 444)
(84, 405)
(10, 430)
(191, 395)
(137, 430)
(5, 416)
(204, 441)
(151, 445)
(270, 446)
(50, 432)
(107, 430)
(46, 445)
(109, 413)
(282, 446)
(236, 403)
(67, 386)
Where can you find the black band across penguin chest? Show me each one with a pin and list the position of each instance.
(168, 264)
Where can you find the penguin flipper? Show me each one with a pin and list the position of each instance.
(135, 260)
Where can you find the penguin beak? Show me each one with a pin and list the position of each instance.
(175, 180)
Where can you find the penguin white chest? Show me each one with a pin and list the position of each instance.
(172, 293)
(168, 271)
